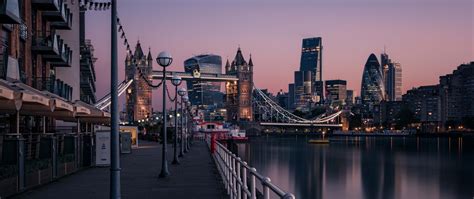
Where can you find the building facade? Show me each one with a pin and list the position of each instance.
(457, 94)
(139, 95)
(239, 93)
(336, 92)
(392, 75)
(372, 87)
(204, 93)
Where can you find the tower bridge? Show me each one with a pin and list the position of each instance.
(245, 102)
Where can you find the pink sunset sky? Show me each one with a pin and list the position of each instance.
(428, 37)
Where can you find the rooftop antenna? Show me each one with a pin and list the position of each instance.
(384, 49)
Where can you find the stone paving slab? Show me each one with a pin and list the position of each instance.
(196, 177)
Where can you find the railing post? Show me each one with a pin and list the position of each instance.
(266, 190)
(227, 170)
(253, 192)
(234, 185)
(244, 180)
(239, 179)
(232, 181)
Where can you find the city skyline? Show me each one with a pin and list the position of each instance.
(350, 35)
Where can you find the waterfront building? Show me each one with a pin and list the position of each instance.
(44, 103)
(386, 113)
(457, 94)
(336, 92)
(138, 95)
(239, 93)
(204, 93)
(372, 87)
(425, 103)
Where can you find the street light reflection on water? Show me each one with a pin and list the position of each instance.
(366, 167)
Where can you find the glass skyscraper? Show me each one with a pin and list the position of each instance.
(372, 88)
(203, 92)
(311, 60)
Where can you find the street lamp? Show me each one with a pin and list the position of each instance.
(188, 104)
(184, 130)
(164, 59)
(182, 93)
(176, 81)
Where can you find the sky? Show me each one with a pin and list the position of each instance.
(428, 37)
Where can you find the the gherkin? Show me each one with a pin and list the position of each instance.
(372, 89)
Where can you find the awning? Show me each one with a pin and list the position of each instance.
(10, 100)
(33, 101)
(88, 113)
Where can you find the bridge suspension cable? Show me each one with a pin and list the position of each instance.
(273, 112)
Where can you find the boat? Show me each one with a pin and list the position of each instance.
(318, 141)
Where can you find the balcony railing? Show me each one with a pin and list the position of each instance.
(10, 12)
(23, 31)
(45, 43)
(63, 59)
(47, 5)
(57, 16)
(87, 85)
(63, 25)
(53, 85)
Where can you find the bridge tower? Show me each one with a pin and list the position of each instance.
(239, 93)
(139, 96)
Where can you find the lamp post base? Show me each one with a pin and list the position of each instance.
(164, 174)
(175, 161)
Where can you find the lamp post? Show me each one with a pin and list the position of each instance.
(182, 93)
(176, 81)
(114, 119)
(164, 59)
(188, 133)
(185, 101)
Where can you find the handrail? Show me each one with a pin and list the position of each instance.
(236, 173)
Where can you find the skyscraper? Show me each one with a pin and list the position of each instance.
(372, 87)
(200, 92)
(139, 96)
(311, 60)
(336, 91)
(392, 74)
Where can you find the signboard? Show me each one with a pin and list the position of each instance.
(126, 142)
(102, 148)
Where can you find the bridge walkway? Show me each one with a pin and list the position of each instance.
(196, 177)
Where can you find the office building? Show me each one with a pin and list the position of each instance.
(336, 92)
(372, 87)
(204, 93)
(392, 75)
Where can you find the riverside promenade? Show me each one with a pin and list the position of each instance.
(196, 177)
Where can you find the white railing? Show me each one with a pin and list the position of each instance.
(240, 180)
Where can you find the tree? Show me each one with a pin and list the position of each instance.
(355, 121)
(405, 117)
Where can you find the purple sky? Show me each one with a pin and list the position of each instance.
(428, 37)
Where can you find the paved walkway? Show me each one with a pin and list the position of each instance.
(195, 177)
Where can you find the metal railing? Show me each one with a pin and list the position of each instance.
(240, 180)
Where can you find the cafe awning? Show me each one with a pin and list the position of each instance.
(88, 113)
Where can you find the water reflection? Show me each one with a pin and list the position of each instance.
(366, 167)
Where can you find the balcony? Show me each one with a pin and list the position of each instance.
(10, 12)
(57, 16)
(46, 43)
(60, 25)
(87, 86)
(63, 59)
(53, 85)
(47, 5)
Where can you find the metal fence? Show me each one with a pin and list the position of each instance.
(240, 180)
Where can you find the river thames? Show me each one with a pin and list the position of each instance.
(366, 167)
